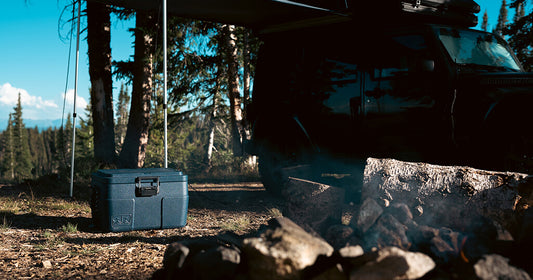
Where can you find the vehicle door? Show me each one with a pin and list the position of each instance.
(402, 97)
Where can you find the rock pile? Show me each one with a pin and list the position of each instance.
(414, 221)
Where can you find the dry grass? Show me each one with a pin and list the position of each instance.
(30, 204)
(69, 228)
(237, 224)
(5, 225)
(274, 213)
(50, 241)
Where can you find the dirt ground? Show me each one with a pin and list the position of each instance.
(52, 237)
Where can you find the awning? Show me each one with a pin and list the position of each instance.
(251, 13)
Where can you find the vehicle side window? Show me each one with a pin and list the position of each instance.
(400, 75)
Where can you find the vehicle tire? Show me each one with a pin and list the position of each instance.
(271, 175)
(275, 169)
(518, 154)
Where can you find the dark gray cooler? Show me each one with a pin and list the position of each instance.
(136, 199)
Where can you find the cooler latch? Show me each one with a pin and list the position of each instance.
(146, 186)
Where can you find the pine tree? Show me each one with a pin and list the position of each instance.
(502, 19)
(47, 138)
(8, 163)
(85, 136)
(122, 112)
(99, 51)
(230, 51)
(519, 12)
(63, 148)
(485, 21)
(520, 34)
(133, 152)
(36, 146)
(23, 164)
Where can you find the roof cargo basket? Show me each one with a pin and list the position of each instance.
(453, 12)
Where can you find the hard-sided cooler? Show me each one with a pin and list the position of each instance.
(137, 199)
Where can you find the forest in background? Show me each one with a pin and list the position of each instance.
(210, 79)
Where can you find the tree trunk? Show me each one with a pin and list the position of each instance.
(212, 123)
(246, 72)
(233, 89)
(133, 150)
(99, 50)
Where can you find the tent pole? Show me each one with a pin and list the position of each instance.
(75, 94)
(165, 78)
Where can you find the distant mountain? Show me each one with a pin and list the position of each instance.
(40, 124)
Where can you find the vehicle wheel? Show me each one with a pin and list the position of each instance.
(271, 175)
(275, 170)
(518, 154)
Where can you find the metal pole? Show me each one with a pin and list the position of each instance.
(165, 77)
(75, 95)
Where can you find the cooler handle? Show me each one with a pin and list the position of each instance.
(146, 186)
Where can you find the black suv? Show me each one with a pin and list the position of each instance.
(327, 97)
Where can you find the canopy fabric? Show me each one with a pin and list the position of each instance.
(251, 13)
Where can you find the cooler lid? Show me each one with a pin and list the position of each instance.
(128, 176)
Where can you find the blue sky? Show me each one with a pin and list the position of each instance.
(33, 58)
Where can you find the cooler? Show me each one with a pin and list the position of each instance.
(137, 199)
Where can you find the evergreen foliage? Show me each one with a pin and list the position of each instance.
(197, 110)
(8, 151)
(485, 21)
(521, 35)
(122, 113)
(502, 19)
(199, 134)
(23, 165)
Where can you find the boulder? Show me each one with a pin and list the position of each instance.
(282, 251)
(340, 236)
(392, 263)
(387, 231)
(219, 262)
(369, 212)
(449, 195)
(401, 212)
(199, 259)
(497, 267)
(311, 205)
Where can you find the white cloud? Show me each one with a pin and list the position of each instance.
(35, 107)
(81, 103)
(9, 96)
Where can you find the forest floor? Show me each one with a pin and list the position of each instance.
(49, 236)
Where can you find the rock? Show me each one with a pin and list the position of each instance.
(313, 205)
(387, 232)
(497, 267)
(46, 264)
(216, 263)
(282, 251)
(368, 214)
(175, 256)
(453, 195)
(401, 212)
(351, 251)
(177, 260)
(441, 251)
(339, 236)
(422, 234)
(392, 263)
(525, 237)
(333, 273)
(525, 240)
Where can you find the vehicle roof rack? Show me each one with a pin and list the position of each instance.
(452, 12)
